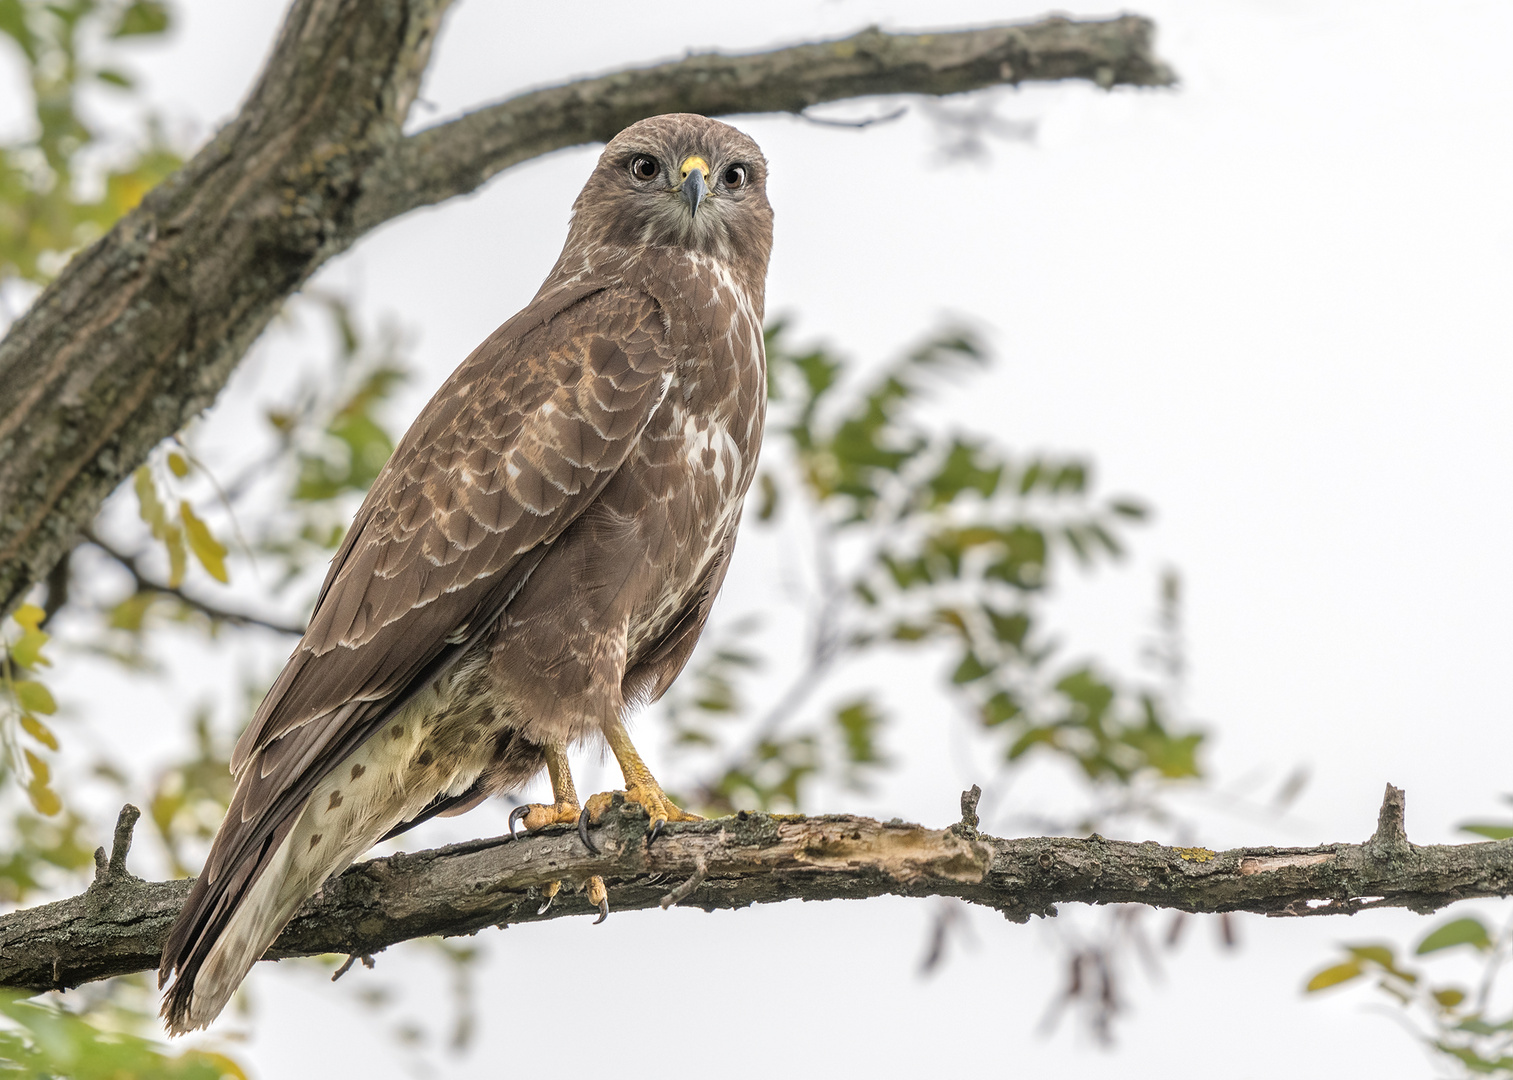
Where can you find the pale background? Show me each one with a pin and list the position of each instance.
(1274, 302)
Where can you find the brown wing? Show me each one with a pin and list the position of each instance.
(514, 446)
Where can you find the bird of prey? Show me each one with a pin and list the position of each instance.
(537, 558)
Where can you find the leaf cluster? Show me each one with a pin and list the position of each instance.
(933, 542)
(1455, 1019)
(45, 214)
(40, 1041)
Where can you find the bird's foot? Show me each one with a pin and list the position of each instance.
(649, 796)
(598, 895)
(540, 815)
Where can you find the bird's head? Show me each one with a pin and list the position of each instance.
(679, 181)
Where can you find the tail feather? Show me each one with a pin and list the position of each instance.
(218, 962)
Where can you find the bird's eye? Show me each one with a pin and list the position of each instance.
(735, 176)
(643, 167)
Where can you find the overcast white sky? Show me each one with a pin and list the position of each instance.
(1274, 302)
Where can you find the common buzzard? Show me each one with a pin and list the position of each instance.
(538, 556)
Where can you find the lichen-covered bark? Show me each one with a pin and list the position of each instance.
(118, 925)
(142, 329)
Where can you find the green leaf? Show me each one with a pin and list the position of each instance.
(116, 78)
(1128, 508)
(1457, 932)
(768, 488)
(178, 465)
(34, 697)
(210, 551)
(859, 722)
(142, 17)
(1490, 831)
(1449, 997)
(1000, 709)
(1334, 976)
(129, 613)
(970, 669)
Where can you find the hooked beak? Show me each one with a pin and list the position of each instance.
(693, 190)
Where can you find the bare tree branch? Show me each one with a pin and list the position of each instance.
(118, 925)
(456, 157)
(143, 328)
(214, 612)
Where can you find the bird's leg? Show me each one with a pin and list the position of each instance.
(640, 786)
(564, 811)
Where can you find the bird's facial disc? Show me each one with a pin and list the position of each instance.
(693, 171)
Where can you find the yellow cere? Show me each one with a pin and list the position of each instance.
(695, 162)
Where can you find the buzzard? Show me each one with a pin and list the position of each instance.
(538, 556)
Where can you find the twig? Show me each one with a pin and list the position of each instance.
(219, 614)
(685, 890)
(865, 122)
(113, 869)
(367, 962)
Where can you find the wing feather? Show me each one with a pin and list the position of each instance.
(515, 445)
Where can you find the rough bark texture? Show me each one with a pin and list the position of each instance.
(142, 329)
(119, 924)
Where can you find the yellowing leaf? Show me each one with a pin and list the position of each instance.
(44, 799)
(210, 551)
(30, 617)
(27, 650)
(129, 613)
(38, 768)
(39, 731)
(1450, 998)
(1333, 976)
(34, 697)
(178, 465)
(178, 555)
(149, 506)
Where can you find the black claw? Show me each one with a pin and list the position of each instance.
(603, 911)
(583, 835)
(656, 830)
(515, 816)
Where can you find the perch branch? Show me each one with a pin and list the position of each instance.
(119, 926)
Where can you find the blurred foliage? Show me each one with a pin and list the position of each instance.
(333, 435)
(191, 797)
(1457, 1018)
(54, 198)
(925, 541)
(24, 700)
(41, 1041)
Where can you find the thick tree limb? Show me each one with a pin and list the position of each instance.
(142, 329)
(118, 925)
(456, 157)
